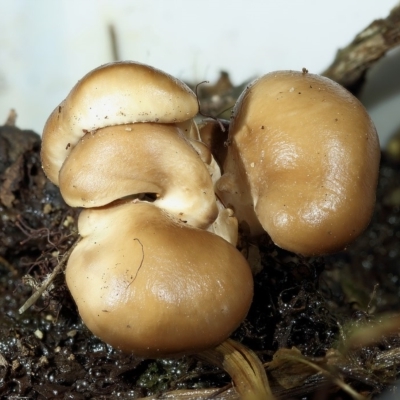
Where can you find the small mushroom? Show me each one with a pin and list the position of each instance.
(146, 283)
(302, 163)
(115, 94)
(146, 158)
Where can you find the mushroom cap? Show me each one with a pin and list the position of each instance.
(113, 94)
(165, 288)
(303, 160)
(125, 160)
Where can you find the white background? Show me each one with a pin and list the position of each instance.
(47, 45)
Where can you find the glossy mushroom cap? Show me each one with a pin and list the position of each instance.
(302, 163)
(148, 284)
(126, 160)
(114, 94)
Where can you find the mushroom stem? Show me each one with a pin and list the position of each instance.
(244, 367)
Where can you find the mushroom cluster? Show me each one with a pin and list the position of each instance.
(148, 276)
(157, 272)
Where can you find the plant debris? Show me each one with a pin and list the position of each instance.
(353, 61)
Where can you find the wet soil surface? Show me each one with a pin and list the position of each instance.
(47, 353)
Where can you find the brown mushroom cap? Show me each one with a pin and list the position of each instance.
(302, 162)
(126, 160)
(113, 94)
(165, 288)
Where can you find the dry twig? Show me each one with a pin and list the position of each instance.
(50, 278)
(352, 62)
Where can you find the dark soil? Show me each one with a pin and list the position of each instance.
(47, 353)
